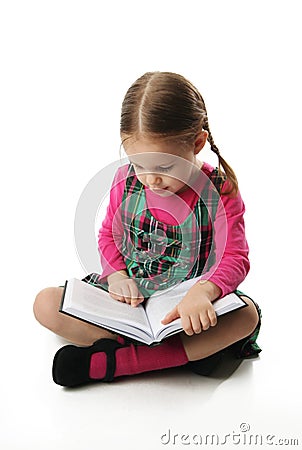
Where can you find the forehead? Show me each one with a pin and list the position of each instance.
(153, 159)
(161, 152)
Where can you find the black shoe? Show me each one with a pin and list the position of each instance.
(206, 365)
(71, 364)
(209, 364)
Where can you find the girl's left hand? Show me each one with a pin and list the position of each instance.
(196, 310)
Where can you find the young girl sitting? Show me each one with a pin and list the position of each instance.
(171, 217)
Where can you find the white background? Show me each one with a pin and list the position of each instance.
(65, 67)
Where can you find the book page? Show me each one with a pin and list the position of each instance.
(163, 302)
(159, 304)
(93, 304)
(228, 303)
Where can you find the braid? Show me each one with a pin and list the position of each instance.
(228, 174)
(214, 147)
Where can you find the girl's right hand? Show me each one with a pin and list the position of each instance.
(124, 289)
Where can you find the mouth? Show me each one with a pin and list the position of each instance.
(158, 189)
(161, 191)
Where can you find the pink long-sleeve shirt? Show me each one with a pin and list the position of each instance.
(233, 263)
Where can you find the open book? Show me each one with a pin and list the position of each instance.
(142, 323)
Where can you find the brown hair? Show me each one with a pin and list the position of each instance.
(167, 105)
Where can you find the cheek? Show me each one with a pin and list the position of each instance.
(174, 184)
(179, 177)
(141, 178)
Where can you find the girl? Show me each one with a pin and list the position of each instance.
(170, 218)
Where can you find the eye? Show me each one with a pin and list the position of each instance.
(165, 169)
(159, 169)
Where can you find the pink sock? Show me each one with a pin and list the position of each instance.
(137, 359)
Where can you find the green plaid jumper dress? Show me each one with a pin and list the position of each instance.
(159, 256)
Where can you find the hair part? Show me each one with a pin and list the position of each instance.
(166, 105)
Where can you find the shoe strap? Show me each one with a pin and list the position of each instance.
(111, 365)
(109, 347)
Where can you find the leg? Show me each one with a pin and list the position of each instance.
(106, 359)
(229, 329)
(46, 311)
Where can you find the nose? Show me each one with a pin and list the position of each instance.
(153, 179)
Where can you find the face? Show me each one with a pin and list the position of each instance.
(162, 166)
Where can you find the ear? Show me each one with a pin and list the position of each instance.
(200, 141)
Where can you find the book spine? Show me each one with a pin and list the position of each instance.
(63, 296)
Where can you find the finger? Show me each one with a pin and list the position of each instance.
(127, 294)
(136, 296)
(196, 325)
(117, 297)
(130, 293)
(135, 302)
(172, 315)
(212, 317)
(204, 320)
(186, 325)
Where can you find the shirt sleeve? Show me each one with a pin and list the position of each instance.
(111, 231)
(231, 247)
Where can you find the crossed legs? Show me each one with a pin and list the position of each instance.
(229, 329)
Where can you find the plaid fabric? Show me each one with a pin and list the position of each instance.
(158, 255)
